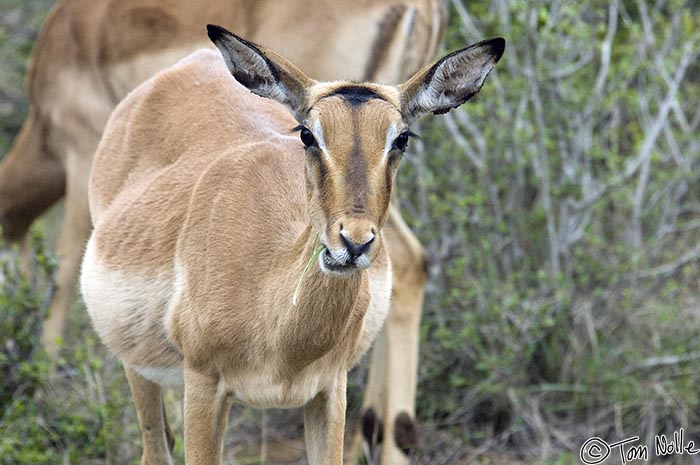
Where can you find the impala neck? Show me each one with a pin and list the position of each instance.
(329, 309)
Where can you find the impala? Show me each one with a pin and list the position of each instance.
(206, 210)
(90, 54)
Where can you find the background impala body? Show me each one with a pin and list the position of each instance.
(206, 211)
(89, 55)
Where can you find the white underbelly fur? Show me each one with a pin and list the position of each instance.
(129, 305)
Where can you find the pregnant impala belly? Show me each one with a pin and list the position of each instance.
(127, 309)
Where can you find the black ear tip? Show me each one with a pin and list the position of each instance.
(216, 32)
(498, 46)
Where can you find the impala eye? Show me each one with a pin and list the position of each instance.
(307, 138)
(402, 141)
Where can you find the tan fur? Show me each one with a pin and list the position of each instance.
(218, 203)
(90, 54)
(242, 205)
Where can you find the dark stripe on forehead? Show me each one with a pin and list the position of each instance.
(356, 174)
(355, 94)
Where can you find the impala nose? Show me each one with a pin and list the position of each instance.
(354, 246)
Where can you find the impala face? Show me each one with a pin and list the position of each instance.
(354, 137)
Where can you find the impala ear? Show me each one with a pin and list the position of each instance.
(262, 71)
(450, 81)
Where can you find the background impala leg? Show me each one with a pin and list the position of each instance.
(169, 436)
(402, 332)
(25, 255)
(149, 408)
(410, 271)
(31, 179)
(389, 403)
(71, 244)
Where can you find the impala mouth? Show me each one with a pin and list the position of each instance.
(341, 263)
(335, 265)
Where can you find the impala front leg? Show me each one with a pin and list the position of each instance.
(324, 424)
(151, 414)
(206, 408)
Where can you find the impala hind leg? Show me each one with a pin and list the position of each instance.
(387, 424)
(31, 179)
(148, 399)
(324, 425)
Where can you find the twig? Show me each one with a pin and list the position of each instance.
(670, 268)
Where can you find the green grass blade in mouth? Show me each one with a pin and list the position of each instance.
(314, 256)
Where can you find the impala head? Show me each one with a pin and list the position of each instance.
(355, 134)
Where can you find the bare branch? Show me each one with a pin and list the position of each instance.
(672, 267)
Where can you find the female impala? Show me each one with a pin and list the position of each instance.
(90, 54)
(206, 212)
